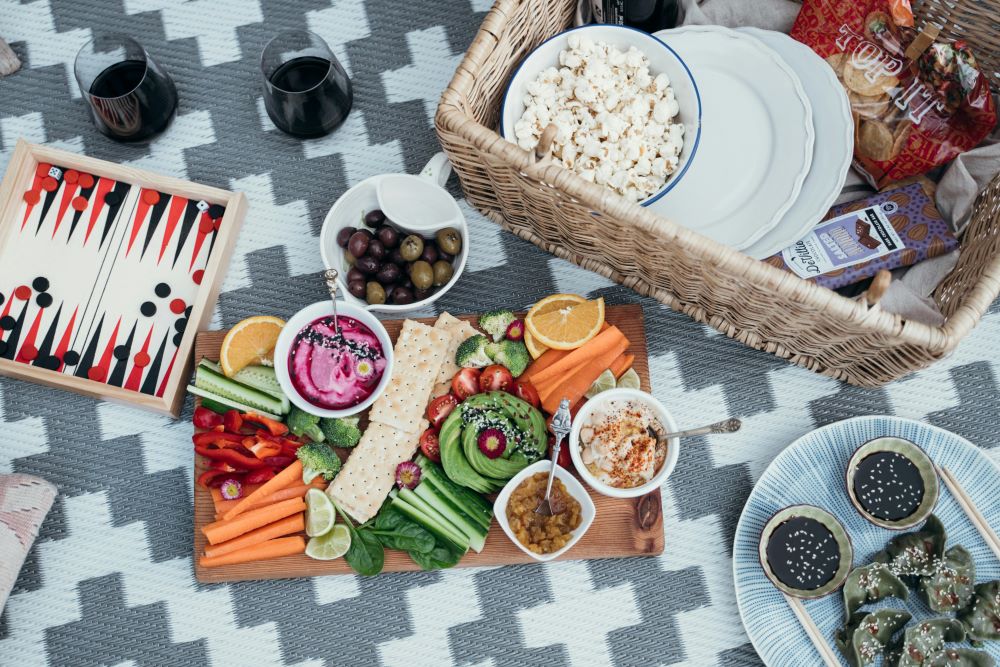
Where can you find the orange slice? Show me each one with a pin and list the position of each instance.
(547, 305)
(567, 327)
(250, 342)
(535, 349)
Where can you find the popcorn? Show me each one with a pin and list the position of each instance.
(616, 121)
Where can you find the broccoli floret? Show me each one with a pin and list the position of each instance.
(472, 352)
(318, 459)
(495, 323)
(512, 354)
(343, 432)
(303, 424)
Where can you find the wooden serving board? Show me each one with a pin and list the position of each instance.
(621, 528)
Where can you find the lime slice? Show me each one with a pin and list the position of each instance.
(320, 514)
(605, 381)
(629, 380)
(332, 545)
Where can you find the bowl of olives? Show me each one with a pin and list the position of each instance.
(384, 266)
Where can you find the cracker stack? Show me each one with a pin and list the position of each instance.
(396, 420)
(459, 330)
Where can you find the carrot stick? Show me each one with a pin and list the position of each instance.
(548, 358)
(283, 546)
(621, 364)
(227, 529)
(219, 501)
(583, 354)
(295, 523)
(290, 475)
(298, 491)
(579, 382)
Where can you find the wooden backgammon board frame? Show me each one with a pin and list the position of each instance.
(621, 528)
(19, 178)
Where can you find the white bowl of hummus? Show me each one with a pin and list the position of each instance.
(616, 446)
(329, 373)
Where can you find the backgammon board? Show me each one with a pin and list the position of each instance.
(106, 273)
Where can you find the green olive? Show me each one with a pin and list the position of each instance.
(374, 293)
(349, 258)
(449, 240)
(443, 272)
(411, 248)
(422, 274)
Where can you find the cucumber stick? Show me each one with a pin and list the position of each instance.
(210, 365)
(455, 516)
(418, 510)
(221, 404)
(217, 383)
(263, 379)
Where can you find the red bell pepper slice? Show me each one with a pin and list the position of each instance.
(273, 427)
(216, 438)
(231, 456)
(232, 421)
(205, 479)
(224, 466)
(263, 449)
(206, 419)
(259, 476)
(279, 462)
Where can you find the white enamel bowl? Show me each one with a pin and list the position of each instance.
(573, 487)
(658, 411)
(661, 57)
(304, 318)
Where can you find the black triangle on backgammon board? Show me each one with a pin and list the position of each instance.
(45, 349)
(87, 361)
(109, 222)
(117, 376)
(15, 334)
(85, 193)
(191, 213)
(46, 205)
(155, 217)
(153, 372)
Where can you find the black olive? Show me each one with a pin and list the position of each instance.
(358, 244)
(430, 253)
(389, 274)
(388, 236)
(402, 296)
(421, 294)
(344, 235)
(445, 256)
(357, 288)
(376, 249)
(354, 274)
(368, 265)
(374, 218)
(396, 258)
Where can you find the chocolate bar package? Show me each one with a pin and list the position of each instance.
(856, 240)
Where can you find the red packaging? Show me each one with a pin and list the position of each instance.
(913, 110)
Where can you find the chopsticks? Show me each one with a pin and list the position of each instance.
(822, 647)
(965, 502)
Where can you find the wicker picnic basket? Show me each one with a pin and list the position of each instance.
(753, 302)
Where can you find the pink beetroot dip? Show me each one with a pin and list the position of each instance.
(332, 371)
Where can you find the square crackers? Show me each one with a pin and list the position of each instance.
(417, 359)
(459, 330)
(367, 477)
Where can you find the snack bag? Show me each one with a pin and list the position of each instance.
(914, 108)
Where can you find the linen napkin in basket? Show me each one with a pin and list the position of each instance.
(24, 502)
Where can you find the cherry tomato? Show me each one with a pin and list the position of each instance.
(430, 445)
(465, 383)
(564, 459)
(439, 409)
(495, 378)
(526, 392)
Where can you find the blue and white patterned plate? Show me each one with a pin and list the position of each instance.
(812, 470)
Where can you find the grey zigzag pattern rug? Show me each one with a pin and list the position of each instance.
(110, 580)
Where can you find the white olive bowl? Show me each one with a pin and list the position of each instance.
(661, 414)
(351, 207)
(662, 59)
(304, 318)
(587, 509)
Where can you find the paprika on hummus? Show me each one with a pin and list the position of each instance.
(336, 371)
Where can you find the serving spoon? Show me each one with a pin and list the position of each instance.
(725, 426)
(560, 427)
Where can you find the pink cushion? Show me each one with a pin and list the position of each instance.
(24, 502)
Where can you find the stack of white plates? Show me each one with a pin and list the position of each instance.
(776, 144)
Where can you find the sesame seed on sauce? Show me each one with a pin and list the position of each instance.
(803, 554)
(888, 486)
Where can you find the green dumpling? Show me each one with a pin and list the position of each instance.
(923, 641)
(959, 657)
(865, 636)
(915, 554)
(950, 588)
(871, 583)
(982, 617)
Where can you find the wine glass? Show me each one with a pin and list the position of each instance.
(307, 93)
(131, 96)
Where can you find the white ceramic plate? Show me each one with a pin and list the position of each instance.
(812, 471)
(832, 150)
(757, 143)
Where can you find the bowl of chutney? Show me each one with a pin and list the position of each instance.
(805, 551)
(892, 483)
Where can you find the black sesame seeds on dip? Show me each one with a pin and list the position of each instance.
(803, 554)
(888, 485)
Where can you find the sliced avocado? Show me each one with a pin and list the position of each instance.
(529, 420)
(499, 468)
(453, 459)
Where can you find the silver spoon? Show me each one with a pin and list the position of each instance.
(561, 425)
(330, 276)
(725, 426)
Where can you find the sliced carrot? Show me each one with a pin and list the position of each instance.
(621, 364)
(577, 384)
(287, 477)
(219, 501)
(278, 548)
(227, 529)
(295, 523)
(593, 348)
(297, 491)
(548, 358)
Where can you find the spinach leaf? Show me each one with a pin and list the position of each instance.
(366, 555)
(395, 531)
(442, 556)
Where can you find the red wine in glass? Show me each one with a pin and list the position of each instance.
(307, 93)
(131, 97)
